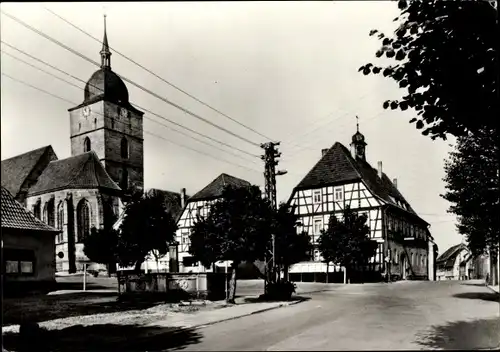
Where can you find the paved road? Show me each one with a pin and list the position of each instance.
(403, 315)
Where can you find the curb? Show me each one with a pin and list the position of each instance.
(247, 314)
(492, 288)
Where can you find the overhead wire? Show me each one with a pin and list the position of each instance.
(150, 133)
(197, 116)
(137, 106)
(157, 76)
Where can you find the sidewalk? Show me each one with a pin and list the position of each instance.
(209, 317)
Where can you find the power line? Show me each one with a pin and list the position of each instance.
(74, 85)
(129, 81)
(150, 133)
(157, 76)
(137, 106)
(364, 96)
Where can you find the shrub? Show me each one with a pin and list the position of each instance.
(281, 290)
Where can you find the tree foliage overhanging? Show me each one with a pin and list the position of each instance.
(445, 57)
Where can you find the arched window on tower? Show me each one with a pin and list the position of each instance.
(86, 145)
(83, 220)
(124, 180)
(124, 148)
(60, 221)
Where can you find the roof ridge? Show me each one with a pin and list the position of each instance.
(28, 152)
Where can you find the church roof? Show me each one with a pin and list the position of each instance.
(15, 170)
(80, 171)
(337, 166)
(15, 216)
(215, 188)
(448, 258)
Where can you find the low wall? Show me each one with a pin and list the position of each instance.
(196, 285)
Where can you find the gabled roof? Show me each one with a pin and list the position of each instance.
(15, 170)
(15, 216)
(448, 257)
(80, 171)
(337, 166)
(172, 201)
(214, 189)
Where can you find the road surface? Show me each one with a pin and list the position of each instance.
(402, 315)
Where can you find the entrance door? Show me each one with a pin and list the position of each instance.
(403, 266)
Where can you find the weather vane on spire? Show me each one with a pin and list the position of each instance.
(357, 123)
(105, 53)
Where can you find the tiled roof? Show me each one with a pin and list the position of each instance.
(172, 201)
(214, 189)
(337, 166)
(16, 169)
(448, 258)
(80, 171)
(15, 216)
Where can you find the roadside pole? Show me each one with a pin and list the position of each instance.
(225, 276)
(84, 276)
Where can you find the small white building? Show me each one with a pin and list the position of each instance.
(454, 264)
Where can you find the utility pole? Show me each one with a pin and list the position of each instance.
(271, 154)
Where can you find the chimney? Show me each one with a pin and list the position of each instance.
(395, 182)
(379, 164)
(324, 151)
(183, 197)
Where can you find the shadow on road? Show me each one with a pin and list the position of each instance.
(106, 337)
(462, 335)
(259, 299)
(485, 296)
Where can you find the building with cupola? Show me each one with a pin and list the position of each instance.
(85, 190)
(344, 178)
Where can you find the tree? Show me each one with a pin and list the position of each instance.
(147, 227)
(290, 247)
(347, 242)
(237, 229)
(473, 191)
(100, 246)
(444, 53)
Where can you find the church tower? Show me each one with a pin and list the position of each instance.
(358, 144)
(109, 125)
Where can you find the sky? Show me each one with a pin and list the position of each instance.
(288, 70)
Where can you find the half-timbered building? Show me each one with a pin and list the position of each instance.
(343, 178)
(199, 204)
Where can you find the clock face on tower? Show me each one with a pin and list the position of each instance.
(86, 111)
(123, 112)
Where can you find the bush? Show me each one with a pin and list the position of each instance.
(281, 290)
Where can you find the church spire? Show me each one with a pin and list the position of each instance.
(105, 53)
